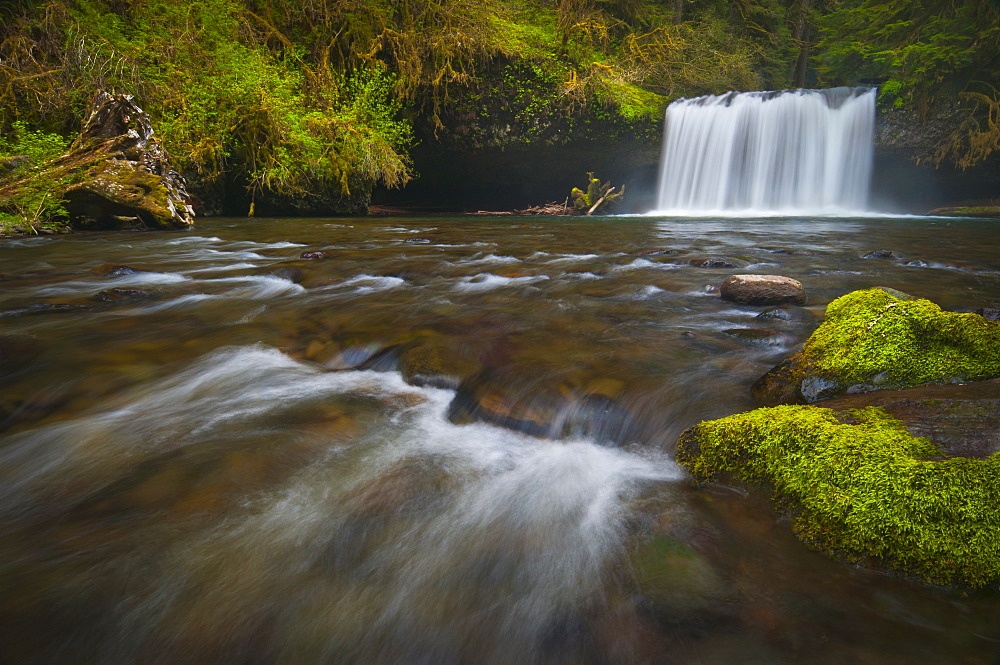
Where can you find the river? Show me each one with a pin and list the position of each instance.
(442, 440)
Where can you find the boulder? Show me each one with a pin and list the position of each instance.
(862, 488)
(120, 174)
(763, 290)
(877, 340)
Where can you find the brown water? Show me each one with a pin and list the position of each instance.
(214, 457)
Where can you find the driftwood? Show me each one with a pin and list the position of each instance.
(545, 209)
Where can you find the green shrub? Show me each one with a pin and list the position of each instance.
(29, 201)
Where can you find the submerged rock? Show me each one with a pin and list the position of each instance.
(881, 254)
(761, 336)
(717, 262)
(763, 290)
(116, 270)
(291, 273)
(554, 411)
(120, 295)
(434, 362)
(861, 487)
(874, 340)
(788, 314)
(124, 179)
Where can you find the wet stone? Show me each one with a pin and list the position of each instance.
(988, 313)
(761, 336)
(789, 314)
(962, 420)
(717, 262)
(352, 356)
(881, 254)
(763, 290)
(314, 255)
(120, 295)
(116, 270)
(479, 399)
(434, 363)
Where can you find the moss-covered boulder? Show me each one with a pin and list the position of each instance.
(881, 338)
(860, 487)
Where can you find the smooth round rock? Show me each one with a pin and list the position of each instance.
(763, 290)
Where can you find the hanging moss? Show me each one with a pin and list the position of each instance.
(861, 488)
(877, 339)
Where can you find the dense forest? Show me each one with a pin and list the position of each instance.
(322, 100)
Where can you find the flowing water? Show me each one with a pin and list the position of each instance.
(788, 151)
(445, 440)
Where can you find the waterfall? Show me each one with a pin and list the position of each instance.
(791, 151)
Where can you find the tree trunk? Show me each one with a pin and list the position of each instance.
(677, 8)
(801, 38)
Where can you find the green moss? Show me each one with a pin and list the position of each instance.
(863, 490)
(872, 336)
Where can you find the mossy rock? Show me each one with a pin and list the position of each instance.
(112, 190)
(881, 338)
(863, 489)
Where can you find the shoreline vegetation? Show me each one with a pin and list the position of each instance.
(281, 108)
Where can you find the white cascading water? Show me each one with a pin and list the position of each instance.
(792, 151)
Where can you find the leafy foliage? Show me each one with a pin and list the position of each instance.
(863, 489)
(32, 202)
(307, 98)
(222, 101)
(925, 52)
